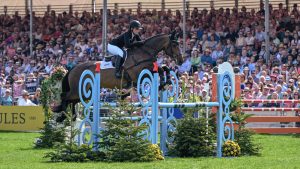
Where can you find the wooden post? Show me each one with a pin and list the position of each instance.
(237, 86)
(236, 4)
(70, 9)
(48, 8)
(26, 7)
(5, 10)
(116, 6)
(214, 92)
(139, 5)
(163, 5)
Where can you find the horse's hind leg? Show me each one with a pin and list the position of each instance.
(63, 107)
(74, 114)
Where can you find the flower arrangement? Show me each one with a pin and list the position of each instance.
(51, 88)
(231, 149)
(58, 73)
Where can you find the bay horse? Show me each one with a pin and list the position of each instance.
(138, 58)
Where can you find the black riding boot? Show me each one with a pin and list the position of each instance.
(118, 67)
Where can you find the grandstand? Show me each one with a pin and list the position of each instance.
(213, 36)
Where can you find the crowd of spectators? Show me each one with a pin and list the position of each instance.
(213, 37)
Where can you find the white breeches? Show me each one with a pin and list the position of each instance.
(115, 50)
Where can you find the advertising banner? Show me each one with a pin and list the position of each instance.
(21, 118)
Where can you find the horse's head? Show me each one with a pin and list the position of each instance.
(173, 50)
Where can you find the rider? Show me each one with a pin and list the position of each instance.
(128, 40)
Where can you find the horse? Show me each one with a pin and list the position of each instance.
(138, 58)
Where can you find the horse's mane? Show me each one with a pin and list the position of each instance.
(155, 36)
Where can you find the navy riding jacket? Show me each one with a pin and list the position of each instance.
(127, 40)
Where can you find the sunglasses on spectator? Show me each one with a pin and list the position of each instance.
(285, 95)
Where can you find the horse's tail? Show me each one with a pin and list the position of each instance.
(65, 85)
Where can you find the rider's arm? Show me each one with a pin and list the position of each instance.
(127, 42)
(138, 41)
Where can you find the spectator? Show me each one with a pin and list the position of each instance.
(36, 97)
(71, 63)
(217, 53)
(186, 66)
(69, 39)
(24, 100)
(274, 96)
(205, 96)
(7, 100)
(206, 57)
(195, 60)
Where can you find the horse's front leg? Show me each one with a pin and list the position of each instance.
(162, 82)
(168, 75)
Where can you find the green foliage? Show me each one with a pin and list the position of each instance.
(193, 138)
(50, 135)
(240, 119)
(231, 149)
(69, 153)
(122, 139)
(49, 91)
(244, 137)
(237, 103)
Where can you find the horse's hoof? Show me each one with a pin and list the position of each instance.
(61, 118)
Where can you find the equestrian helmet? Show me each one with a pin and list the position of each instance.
(135, 24)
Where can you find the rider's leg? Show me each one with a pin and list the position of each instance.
(116, 51)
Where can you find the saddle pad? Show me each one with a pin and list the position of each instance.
(106, 65)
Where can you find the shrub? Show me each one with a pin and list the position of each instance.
(50, 135)
(244, 137)
(193, 138)
(122, 139)
(69, 153)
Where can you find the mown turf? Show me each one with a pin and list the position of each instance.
(282, 152)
